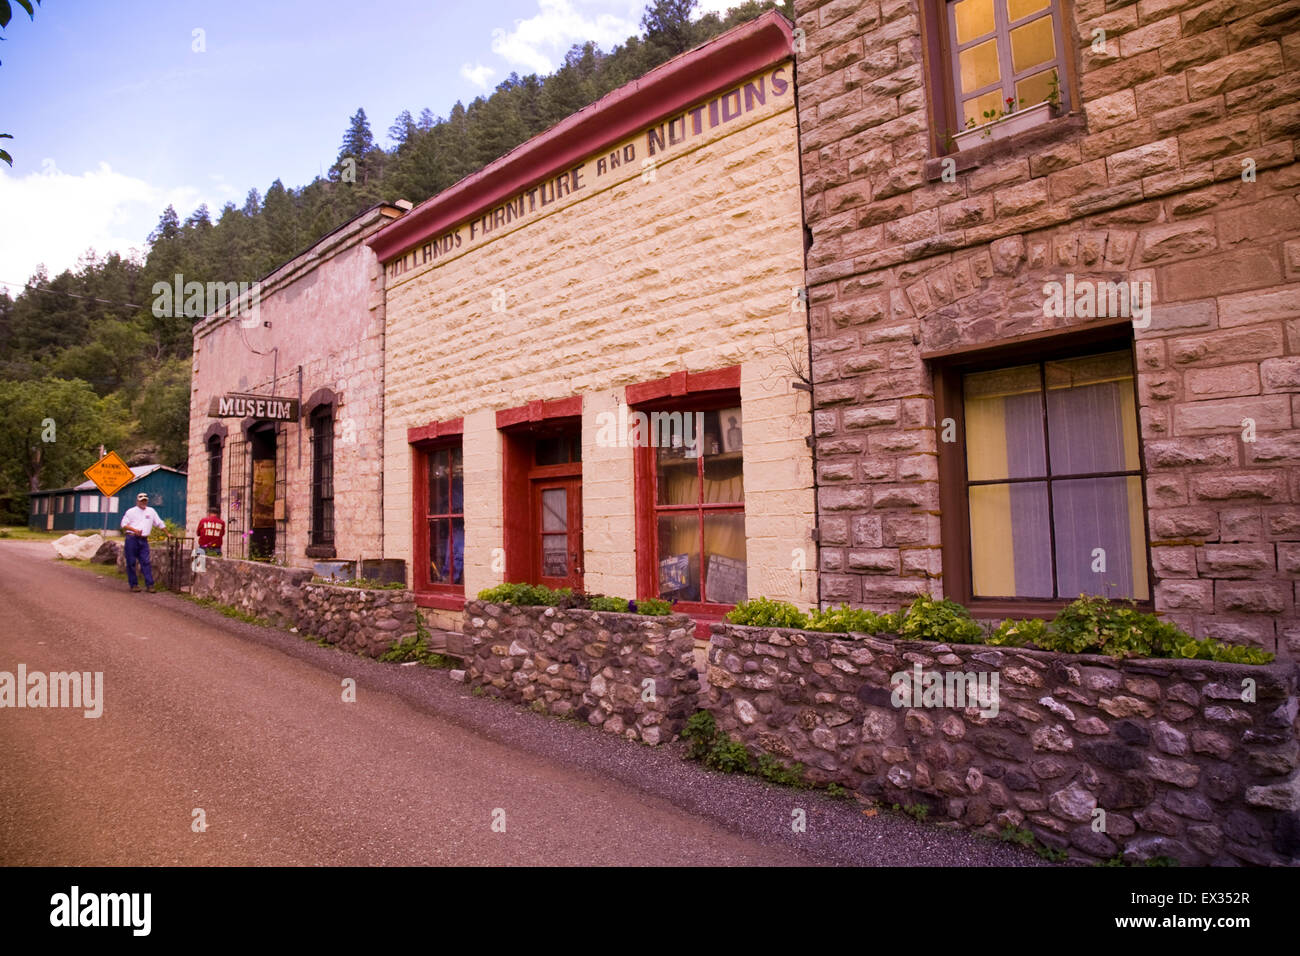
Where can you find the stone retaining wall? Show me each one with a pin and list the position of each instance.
(591, 664)
(356, 619)
(1179, 764)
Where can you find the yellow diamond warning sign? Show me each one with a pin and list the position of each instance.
(110, 474)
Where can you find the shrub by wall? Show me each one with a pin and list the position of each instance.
(629, 674)
(1190, 759)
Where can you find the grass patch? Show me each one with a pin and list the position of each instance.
(27, 534)
(103, 570)
(368, 584)
(722, 752)
(227, 611)
(1025, 837)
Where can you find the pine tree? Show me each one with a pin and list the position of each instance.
(667, 24)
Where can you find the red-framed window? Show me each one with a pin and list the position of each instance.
(542, 492)
(690, 491)
(439, 514)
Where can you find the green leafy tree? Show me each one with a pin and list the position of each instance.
(50, 431)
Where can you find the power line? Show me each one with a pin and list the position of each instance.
(90, 298)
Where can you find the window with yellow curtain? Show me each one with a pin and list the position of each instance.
(699, 507)
(1054, 480)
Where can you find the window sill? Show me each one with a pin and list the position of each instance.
(443, 602)
(995, 151)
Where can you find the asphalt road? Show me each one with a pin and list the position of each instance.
(249, 725)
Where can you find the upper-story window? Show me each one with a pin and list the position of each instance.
(214, 473)
(322, 476)
(1003, 56)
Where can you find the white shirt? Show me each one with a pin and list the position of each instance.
(143, 520)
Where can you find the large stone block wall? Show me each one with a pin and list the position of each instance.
(326, 315)
(1179, 764)
(1143, 181)
(690, 266)
(360, 620)
(592, 665)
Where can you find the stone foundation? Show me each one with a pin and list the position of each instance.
(630, 674)
(360, 620)
(1094, 755)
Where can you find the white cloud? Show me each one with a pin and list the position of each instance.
(53, 217)
(478, 74)
(539, 43)
(714, 6)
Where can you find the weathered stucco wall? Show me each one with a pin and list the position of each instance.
(325, 310)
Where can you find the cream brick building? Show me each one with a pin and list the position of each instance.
(295, 483)
(643, 256)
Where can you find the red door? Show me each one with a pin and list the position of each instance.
(557, 524)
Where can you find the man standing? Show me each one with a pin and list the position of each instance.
(212, 532)
(137, 523)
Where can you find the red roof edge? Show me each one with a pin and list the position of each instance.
(665, 90)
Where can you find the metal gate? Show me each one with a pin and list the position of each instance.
(238, 483)
(281, 495)
(180, 552)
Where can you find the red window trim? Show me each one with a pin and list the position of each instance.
(424, 439)
(684, 384)
(540, 411)
(518, 471)
(697, 391)
(443, 602)
(435, 430)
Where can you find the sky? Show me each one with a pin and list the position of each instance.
(121, 107)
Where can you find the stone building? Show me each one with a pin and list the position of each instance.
(286, 406)
(1055, 304)
(596, 345)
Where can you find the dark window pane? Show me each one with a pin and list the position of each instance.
(1010, 540)
(679, 557)
(439, 481)
(1100, 537)
(457, 482)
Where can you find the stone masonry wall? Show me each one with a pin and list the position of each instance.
(360, 620)
(687, 267)
(1176, 166)
(593, 665)
(326, 314)
(1178, 762)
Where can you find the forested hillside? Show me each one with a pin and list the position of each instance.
(83, 350)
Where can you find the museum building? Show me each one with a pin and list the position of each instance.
(286, 406)
(596, 351)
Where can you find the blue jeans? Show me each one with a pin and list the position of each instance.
(137, 549)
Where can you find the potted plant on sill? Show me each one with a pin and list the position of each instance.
(1000, 124)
